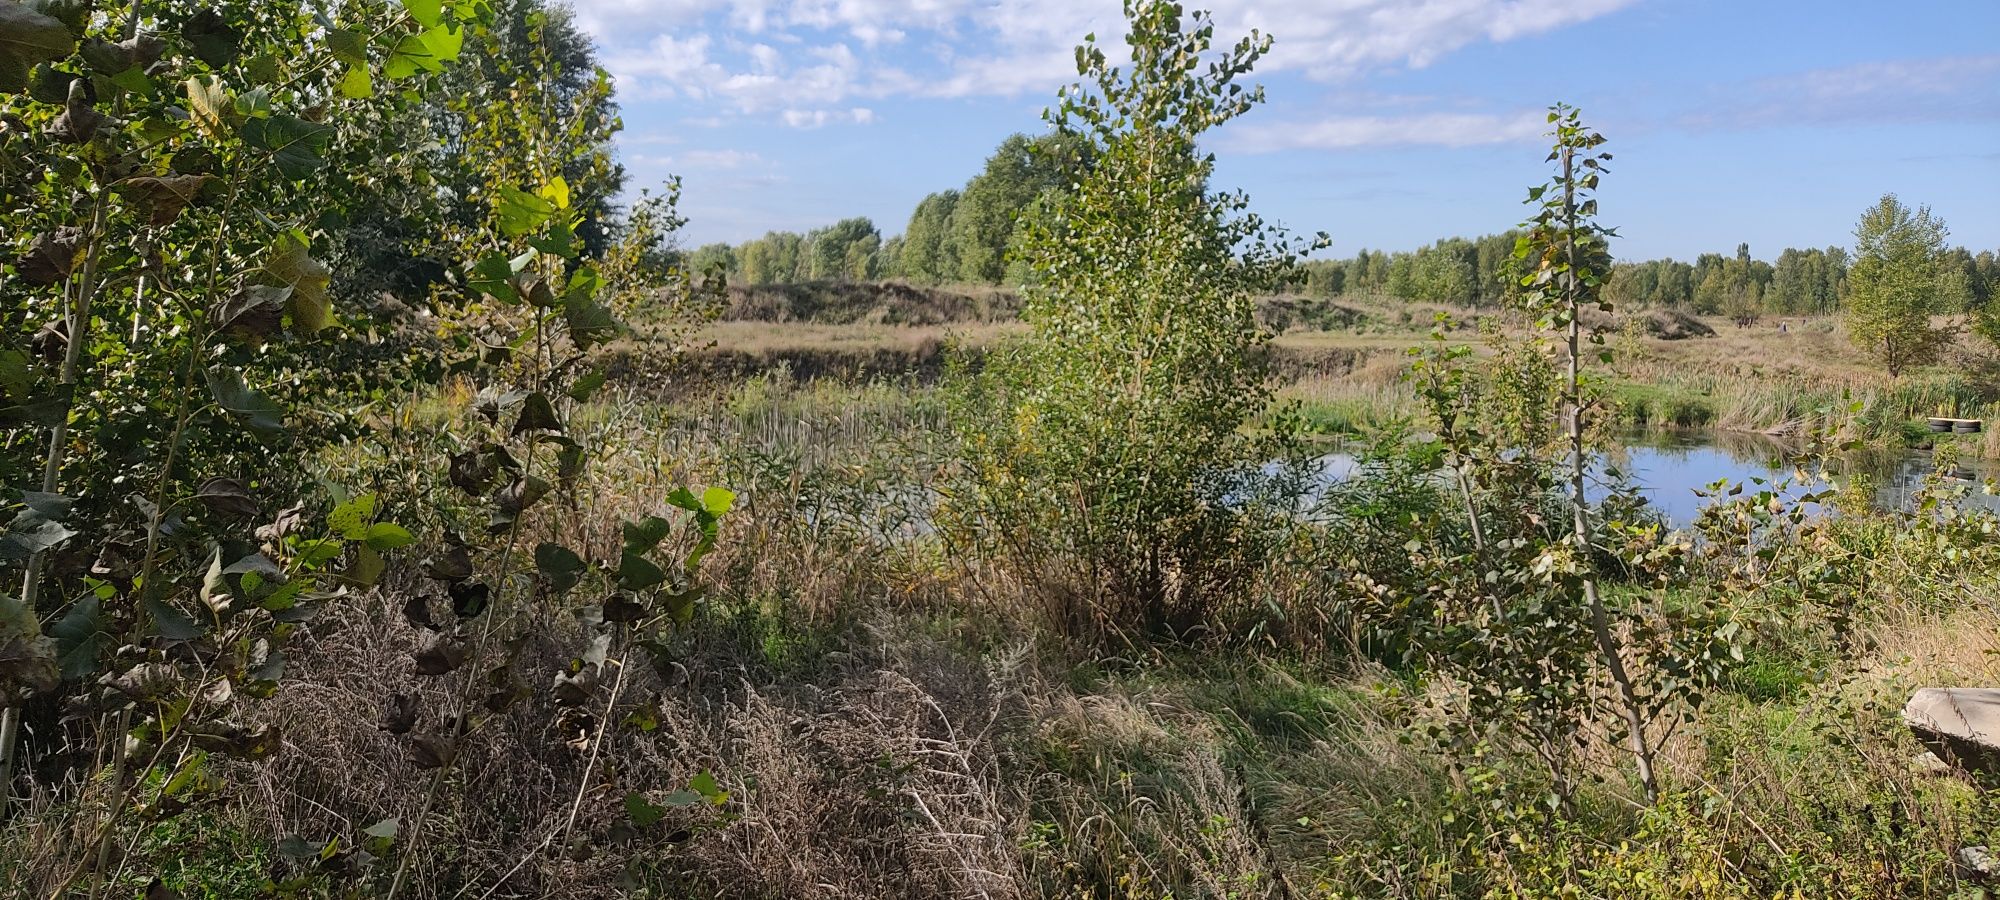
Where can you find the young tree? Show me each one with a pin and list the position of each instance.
(1901, 276)
(1564, 255)
(771, 259)
(1116, 431)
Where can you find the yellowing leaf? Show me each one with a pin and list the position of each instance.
(210, 107)
(356, 84)
(310, 306)
(556, 192)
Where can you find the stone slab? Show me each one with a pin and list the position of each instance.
(1960, 725)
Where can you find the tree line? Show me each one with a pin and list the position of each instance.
(1475, 272)
(963, 235)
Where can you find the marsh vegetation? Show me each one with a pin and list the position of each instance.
(396, 515)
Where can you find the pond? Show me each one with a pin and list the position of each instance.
(1670, 470)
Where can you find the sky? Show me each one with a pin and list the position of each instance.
(1389, 123)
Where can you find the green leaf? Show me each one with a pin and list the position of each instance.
(642, 536)
(79, 635)
(556, 192)
(368, 567)
(424, 52)
(213, 40)
(426, 12)
(520, 212)
(385, 829)
(347, 46)
(560, 565)
(494, 277)
(27, 37)
(261, 413)
(171, 623)
(537, 414)
(704, 784)
(716, 501)
(74, 14)
(263, 68)
(642, 811)
(294, 144)
(590, 323)
(683, 498)
(383, 536)
(33, 531)
(357, 84)
(637, 573)
(583, 388)
(445, 42)
(350, 520)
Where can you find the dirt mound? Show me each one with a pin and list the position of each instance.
(1285, 313)
(869, 302)
(1674, 325)
(1665, 324)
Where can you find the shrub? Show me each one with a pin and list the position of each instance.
(1108, 450)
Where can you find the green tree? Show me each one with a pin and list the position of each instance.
(1112, 436)
(774, 258)
(166, 172)
(843, 251)
(1563, 253)
(983, 220)
(713, 257)
(1901, 276)
(890, 259)
(929, 254)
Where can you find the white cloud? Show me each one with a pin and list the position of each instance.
(1953, 88)
(814, 118)
(1429, 129)
(1005, 47)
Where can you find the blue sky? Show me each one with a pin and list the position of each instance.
(1390, 122)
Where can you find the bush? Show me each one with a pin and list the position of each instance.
(1109, 455)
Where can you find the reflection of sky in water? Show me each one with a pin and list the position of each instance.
(1669, 477)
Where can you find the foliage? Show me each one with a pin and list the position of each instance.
(929, 253)
(1108, 448)
(1505, 601)
(160, 173)
(1900, 279)
(986, 218)
(539, 306)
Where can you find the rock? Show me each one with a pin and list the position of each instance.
(1927, 763)
(1978, 861)
(1960, 725)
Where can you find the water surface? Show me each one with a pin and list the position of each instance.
(1670, 471)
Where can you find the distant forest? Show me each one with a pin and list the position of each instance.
(963, 235)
